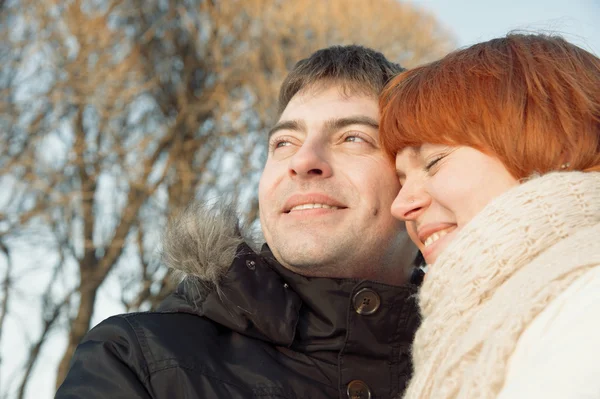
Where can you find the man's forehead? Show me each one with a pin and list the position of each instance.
(345, 88)
(329, 102)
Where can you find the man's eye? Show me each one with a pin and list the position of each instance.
(279, 143)
(354, 139)
(282, 143)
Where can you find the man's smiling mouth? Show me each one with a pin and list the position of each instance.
(312, 206)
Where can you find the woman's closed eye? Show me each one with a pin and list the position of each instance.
(433, 162)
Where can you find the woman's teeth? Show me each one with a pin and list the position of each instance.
(435, 236)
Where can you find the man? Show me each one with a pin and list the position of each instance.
(324, 310)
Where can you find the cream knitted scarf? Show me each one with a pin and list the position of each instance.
(518, 254)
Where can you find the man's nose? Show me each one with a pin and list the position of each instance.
(311, 160)
(411, 201)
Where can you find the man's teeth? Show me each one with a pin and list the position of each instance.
(312, 206)
(435, 236)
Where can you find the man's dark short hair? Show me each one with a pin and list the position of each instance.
(354, 67)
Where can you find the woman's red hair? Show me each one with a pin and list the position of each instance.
(533, 101)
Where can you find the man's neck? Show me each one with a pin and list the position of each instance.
(385, 271)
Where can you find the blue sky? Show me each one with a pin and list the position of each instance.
(475, 21)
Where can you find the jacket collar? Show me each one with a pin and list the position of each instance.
(256, 296)
(259, 298)
(327, 303)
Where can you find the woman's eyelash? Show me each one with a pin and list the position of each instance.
(433, 162)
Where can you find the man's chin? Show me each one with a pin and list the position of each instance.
(303, 258)
(307, 260)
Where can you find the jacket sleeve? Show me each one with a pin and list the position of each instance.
(108, 363)
(557, 355)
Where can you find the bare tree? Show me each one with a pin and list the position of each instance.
(117, 113)
(5, 287)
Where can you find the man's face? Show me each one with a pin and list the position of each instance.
(326, 190)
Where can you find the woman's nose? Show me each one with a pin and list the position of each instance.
(409, 204)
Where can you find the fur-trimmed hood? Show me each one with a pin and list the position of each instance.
(223, 278)
(202, 241)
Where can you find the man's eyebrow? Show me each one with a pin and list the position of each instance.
(340, 123)
(294, 125)
(330, 125)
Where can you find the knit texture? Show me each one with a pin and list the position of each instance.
(506, 265)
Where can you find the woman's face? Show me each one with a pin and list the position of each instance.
(443, 188)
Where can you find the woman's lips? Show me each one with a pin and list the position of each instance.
(435, 241)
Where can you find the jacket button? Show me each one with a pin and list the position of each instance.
(357, 389)
(366, 301)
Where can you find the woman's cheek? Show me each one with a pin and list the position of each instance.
(412, 233)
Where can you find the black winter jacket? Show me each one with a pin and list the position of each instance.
(257, 330)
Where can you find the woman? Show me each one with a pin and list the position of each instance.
(497, 148)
